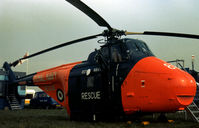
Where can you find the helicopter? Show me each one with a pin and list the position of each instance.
(121, 78)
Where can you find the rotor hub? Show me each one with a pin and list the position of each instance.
(113, 33)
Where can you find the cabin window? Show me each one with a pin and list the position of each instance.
(42, 95)
(2, 77)
(22, 87)
(90, 81)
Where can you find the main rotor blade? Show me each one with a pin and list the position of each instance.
(55, 47)
(90, 12)
(164, 34)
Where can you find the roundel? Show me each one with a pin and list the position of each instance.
(60, 95)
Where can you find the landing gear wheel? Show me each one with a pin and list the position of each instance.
(162, 118)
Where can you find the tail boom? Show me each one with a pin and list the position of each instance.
(52, 81)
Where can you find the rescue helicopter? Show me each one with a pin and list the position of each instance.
(121, 78)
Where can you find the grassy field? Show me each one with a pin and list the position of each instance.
(38, 118)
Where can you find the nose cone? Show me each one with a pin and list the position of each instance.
(156, 86)
(184, 87)
(181, 84)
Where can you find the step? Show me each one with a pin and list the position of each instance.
(13, 98)
(16, 108)
(193, 109)
(195, 112)
(11, 95)
(191, 106)
(14, 105)
(11, 101)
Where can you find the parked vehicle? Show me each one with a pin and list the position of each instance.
(42, 100)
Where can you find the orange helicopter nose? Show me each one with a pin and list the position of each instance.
(185, 87)
(153, 85)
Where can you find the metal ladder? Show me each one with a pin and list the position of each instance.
(13, 102)
(193, 111)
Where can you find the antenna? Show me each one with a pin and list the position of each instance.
(192, 61)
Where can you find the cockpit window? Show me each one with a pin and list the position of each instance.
(120, 51)
(132, 46)
(105, 52)
(136, 46)
(116, 54)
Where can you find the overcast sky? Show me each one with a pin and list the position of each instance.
(33, 25)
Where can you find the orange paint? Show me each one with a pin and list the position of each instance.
(55, 79)
(156, 86)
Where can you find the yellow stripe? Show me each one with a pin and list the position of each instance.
(133, 33)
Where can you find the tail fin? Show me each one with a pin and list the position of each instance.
(11, 74)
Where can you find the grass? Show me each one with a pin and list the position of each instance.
(39, 118)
